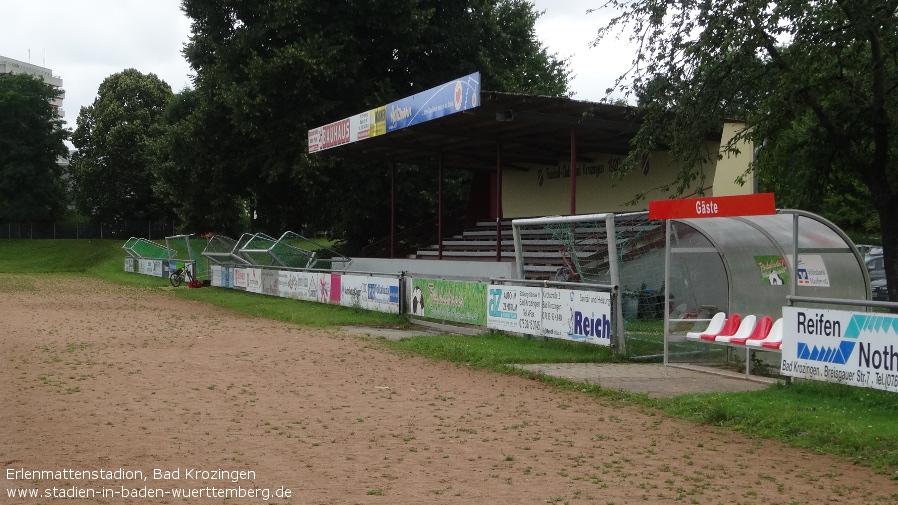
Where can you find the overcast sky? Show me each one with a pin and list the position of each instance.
(85, 41)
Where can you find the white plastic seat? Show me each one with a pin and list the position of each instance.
(775, 335)
(745, 329)
(714, 326)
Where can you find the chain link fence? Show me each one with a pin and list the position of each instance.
(123, 230)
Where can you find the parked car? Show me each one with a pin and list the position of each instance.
(864, 248)
(880, 290)
(875, 250)
(876, 267)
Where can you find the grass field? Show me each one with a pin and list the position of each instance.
(826, 418)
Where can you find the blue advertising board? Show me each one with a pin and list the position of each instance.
(449, 98)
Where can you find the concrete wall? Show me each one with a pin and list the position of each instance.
(546, 190)
(438, 268)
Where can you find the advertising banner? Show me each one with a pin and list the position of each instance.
(302, 286)
(367, 292)
(449, 98)
(240, 278)
(150, 267)
(773, 268)
(854, 348)
(131, 265)
(227, 279)
(583, 316)
(327, 288)
(463, 302)
(812, 271)
(270, 282)
(515, 309)
(284, 284)
(254, 280)
(216, 276)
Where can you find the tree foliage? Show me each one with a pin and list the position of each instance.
(816, 83)
(273, 70)
(115, 136)
(31, 140)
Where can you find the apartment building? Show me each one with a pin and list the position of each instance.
(12, 66)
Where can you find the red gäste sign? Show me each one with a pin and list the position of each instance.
(713, 206)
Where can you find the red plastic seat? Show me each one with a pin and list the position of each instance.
(759, 333)
(730, 327)
(774, 337)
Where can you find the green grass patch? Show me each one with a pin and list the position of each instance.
(287, 310)
(105, 259)
(498, 351)
(58, 256)
(826, 418)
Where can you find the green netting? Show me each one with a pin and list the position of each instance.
(577, 250)
(143, 248)
(189, 247)
(256, 249)
(302, 252)
(221, 249)
(290, 250)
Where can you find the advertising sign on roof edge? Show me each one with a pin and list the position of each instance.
(713, 206)
(449, 98)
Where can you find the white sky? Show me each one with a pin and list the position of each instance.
(85, 41)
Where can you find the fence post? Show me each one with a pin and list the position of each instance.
(101, 231)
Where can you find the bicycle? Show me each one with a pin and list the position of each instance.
(180, 275)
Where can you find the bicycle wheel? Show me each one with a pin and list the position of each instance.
(176, 278)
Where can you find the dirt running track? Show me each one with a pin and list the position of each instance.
(95, 376)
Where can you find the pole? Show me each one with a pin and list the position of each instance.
(498, 200)
(573, 171)
(440, 207)
(392, 210)
(621, 345)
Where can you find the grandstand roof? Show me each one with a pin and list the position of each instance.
(533, 130)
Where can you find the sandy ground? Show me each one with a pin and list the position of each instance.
(113, 390)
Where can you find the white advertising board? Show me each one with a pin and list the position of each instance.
(558, 313)
(812, 271)
(369, 292)
(583, 316)
(240, 278)
(515, 308)
(216, 276)
(854, 348)
(254, 280)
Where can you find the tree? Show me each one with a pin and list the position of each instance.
(31, 140)
(822, 72)
(115, 135)
(281, 68)
(205, 188)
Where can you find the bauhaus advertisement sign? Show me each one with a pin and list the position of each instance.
(854, 348)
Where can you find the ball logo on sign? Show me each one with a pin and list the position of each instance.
(458, 95)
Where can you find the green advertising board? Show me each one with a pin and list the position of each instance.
(461, 302)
